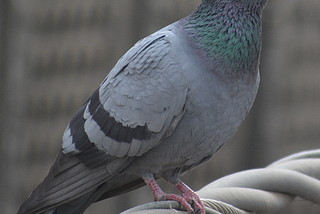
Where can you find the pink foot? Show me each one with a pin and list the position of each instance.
(189, 199)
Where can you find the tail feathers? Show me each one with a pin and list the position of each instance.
(68, 179)
(50, 211)
(115, 186)
(77, 206)
(71, 187)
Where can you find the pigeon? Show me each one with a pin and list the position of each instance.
(172, 101)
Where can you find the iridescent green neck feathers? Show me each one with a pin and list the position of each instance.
(227, 34)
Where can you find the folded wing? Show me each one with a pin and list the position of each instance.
(138, 104)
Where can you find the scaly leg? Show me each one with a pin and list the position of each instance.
(188, 196)
(191, 196)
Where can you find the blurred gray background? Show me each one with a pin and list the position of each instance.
(54, 54)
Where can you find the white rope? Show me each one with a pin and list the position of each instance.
(256, 190)
(301, 155)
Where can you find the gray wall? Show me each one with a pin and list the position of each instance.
(55, 54)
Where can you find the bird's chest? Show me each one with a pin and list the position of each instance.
(215, 110)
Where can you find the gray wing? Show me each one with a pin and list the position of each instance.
(138, 103)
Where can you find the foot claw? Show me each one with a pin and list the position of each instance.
(193, 204)
(198, 211)
(189, 199)
(196, 207)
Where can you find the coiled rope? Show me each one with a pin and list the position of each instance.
(256, 190)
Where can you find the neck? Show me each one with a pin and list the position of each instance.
(227, 35)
